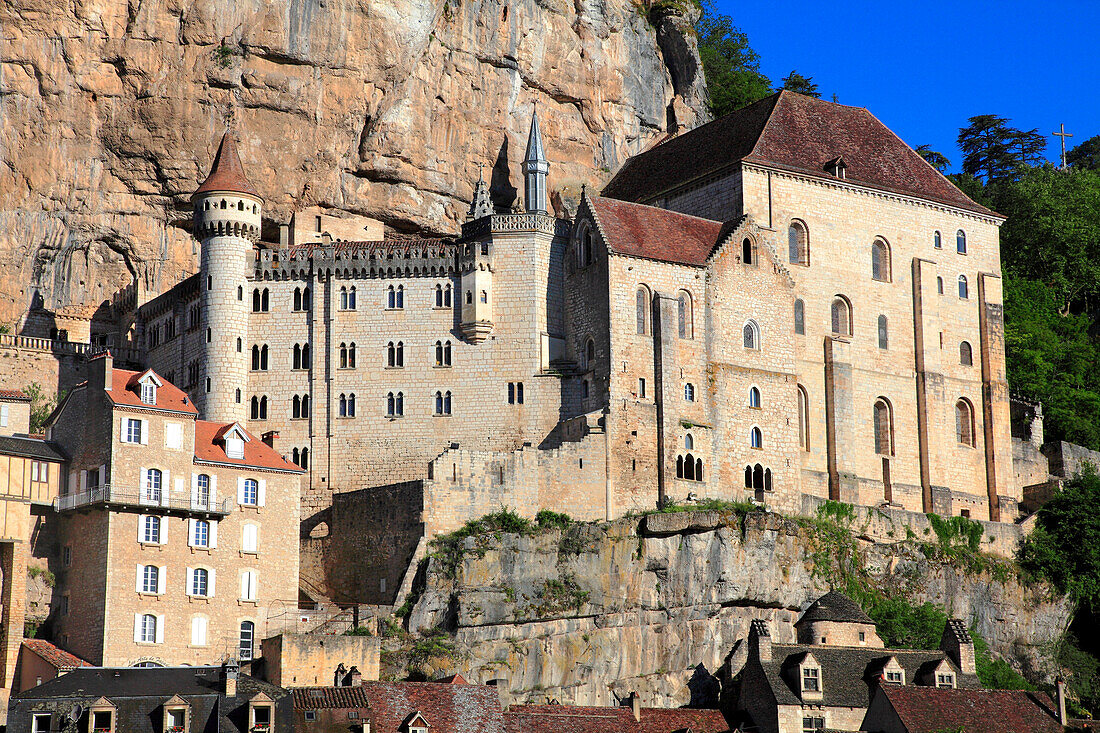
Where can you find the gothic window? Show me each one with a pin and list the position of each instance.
(964, 289)
(689, 392)
(307, 299)
(689, 467)
(883, 332)
(798, 243)
(343, 298)
(447, 295)
(265, 300)
(751, 335)
(438, 296)
(803, 418)
(351, 356)
(589, 354)
(880, 261)
(239, 345)
(469, 297)
(305, 405)
(303, 460)
(939, 285)
(937, 240)
(964, 423)
(641, 309)
(263, 407)
(685, 323)
(343, 405)
(296, 409)
(442, 353)
(966, 354)
(255, 357)
(800, 317)
(884, 427)
(395, 354)
(395, 404)
(689, 442)
(395, 297)
(343, 356)
(584, 248)
(297, 299)
(748, 252)
(759, 478)
(484, 296)
(841, 316)
(443, 403)
(756, 438)
(960, 242)
(237, 395)
(754, 398)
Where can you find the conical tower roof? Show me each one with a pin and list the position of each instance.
(535, 152)
(227, 173)
(835, 606)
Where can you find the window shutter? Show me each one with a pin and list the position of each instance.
(249, 538)
(240, 489)
(103, 475)
(122, 429)
(213, 489)
(179, 484)
(141, 528)
(262, 493)
(143, 481)
(140, 577)
(160, 628)
(165, 487)
(162, 575)
(194, 490)
(190, 533)
(137, 627)
(213, 540)
(145, 441)
(190, 581)
(211, 579)
(83, 480)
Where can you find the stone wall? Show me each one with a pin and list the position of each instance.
(311, 660)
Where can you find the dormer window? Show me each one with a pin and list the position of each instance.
(811, 679)
(149, 393)
(416, 723)
(897, 678)
(234, 447)
(945, 680)
(101, 716)
(175, 715)
(260, 713)
(893, 673)
(837, 167)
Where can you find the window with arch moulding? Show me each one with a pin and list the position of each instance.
(751, 335)
(754, 398)
(964, 423)
(685, 324)
(883, 423)
(800, 317)
(880, 261)
(841, 316)
(642, 310)
(966, 354)
(756, 438)
(960, 242)
(964, 288)
(798, 243)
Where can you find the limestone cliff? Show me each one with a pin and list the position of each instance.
(600, 610)
(110, 111)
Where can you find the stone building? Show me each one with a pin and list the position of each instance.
(178, 536)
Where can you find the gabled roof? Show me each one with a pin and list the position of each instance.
(643, 231)
(588, 719)
(793, 132)
(227, 173)
(125, 391)
(927, 709)
(835, 606)
(210, 447)
(56, 657)
(117, 683)
(26, 447)
(451, 708)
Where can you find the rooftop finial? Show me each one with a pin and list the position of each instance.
(481, 205)
(535, 167)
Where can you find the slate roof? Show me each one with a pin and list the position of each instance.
(793, 132)
(210, 447)
(7, 395)
(125, 391)
(56, 657)
(319, 698)
(227, 173)
(848, 673)
(643, 231)
(926, 709)
(18, 445)
(581, 719)
(835, 606)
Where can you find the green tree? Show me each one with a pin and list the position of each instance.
(993, 150)
(731, 67)
(1085, 155)
(42, 405)
(935, 159)
(795, 82)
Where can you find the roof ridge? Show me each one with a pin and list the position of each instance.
(615, 201)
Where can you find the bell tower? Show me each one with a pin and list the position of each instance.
(227, 212)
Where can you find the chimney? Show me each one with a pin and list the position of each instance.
(1060, 691)
(956, 643)
(504, 691)
(339, 675)
(284, 235)
(270, 438)
(101, 370)
(355, 676)
(760, 640)
(232, 670)
(636, 706)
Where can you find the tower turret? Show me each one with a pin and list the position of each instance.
(535, 168)
(227, 210)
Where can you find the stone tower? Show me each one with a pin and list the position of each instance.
(535, 169)
(227, 223)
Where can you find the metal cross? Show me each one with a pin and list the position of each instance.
(1063, 134)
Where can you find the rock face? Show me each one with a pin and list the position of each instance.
(110, 113)
(589, 615)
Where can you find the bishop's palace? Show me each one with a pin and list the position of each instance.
(786, 305)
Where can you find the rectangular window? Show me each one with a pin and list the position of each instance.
(173, 435)
(894, 677)
(66, 555)
(151, 530)
(811, 680)
(249, 492)
(3, 416)
(40, 723)
(133, 431)
(813, 725)
(234, 447)
(249, 538)
(945, 681)
(198, 631)
(34, 470)
(201, 537)
(641, 388)
(102, 721)
(149, 578)
(248, 585)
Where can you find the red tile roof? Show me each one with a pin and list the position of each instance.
(795, 132)
(926, 709)
(125, 391)
(576, 719)
(14, 394)
(210, 446)
(319, 698)
(451, 708)
(653, 233)
(58, 658)
(227, 173)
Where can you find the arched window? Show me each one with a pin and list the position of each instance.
(754, 398)
(484, 296)
(883, 332)
(307, 299)
(254, 405)
(247, 643)
(351, 356)
(964, 289)
(447, 296)
(240, 292)
(960, 242)
(237, 395)
(966, 354)
(438, 296)
(689, 392)
(202, 491)
(469, 297)
(305, 405)
(263, 358)
(239, 344)
(880, 261)
(343, 403)
(297, 299)
(748, 253)
(265, 302)
(255, 357)
(684, 312)
(584, 248)
(751, 335)
(256, 300)
(351, 298)
(148, 630)
(756, 438)
(964, 422)
(842, 316)
(395, 297)
(800, 317)
(343, 356)
(937, 240)
(884, 427)
(304, 462)
(689, 442)
(391, 355)
(150, 490)
(391, 405)
(296, 410)
(589, 354)
(296, 360)
(798, 243)
(641, 308)
(263, 407)
(343, 298)
(939, 285)
(803, 418)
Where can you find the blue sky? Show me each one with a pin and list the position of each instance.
(924, 68)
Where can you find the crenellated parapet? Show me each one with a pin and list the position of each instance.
(396, 258)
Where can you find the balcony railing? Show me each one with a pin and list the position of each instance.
(130, 497)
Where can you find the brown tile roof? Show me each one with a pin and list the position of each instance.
(926, 709)
(580, 719)
(652, 233)
(318, 698)
(210, 447)
(14, 394)
(227, 173)
(56, 657)
(125, 391)
(793, 132)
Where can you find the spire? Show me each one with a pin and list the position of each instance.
(227, 173)
(481, 205)
(535, 168)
